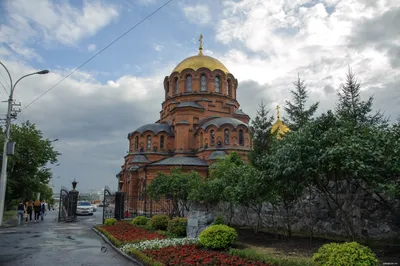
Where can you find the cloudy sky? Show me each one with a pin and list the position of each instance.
(263, 43)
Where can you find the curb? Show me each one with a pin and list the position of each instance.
(117, 249)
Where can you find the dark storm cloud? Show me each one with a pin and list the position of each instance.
(382, 33)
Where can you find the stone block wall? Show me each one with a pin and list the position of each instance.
(351, 211)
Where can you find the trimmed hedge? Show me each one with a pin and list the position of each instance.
(159, 222)
(140, 220)
(177, 227)
(218, 236)
(110, 221)
(350, 253)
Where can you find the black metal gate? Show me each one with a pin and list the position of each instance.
(63, 204)
(113, 204)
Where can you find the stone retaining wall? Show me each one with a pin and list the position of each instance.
(361, 211)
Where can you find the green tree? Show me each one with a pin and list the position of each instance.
(26, 169)
(176, 186)
(351, 107)
(261, 134)
(298, 114)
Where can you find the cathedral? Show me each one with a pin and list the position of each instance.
(200, 121)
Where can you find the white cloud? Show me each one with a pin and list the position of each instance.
(198, 14)
(314, 39)
(91, 47)
(53, 21)
(158, 47)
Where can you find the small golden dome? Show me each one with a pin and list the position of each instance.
(199, 61)
(279, 125)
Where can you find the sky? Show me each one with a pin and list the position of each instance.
(265, 44)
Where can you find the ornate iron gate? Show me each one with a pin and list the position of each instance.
(108, 204)
(113, 204)
(63, 204)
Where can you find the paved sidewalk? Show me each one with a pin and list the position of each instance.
(52, 243)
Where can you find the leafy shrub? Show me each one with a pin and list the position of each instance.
(177, 227)
(219, 220)
(139, 220)
(110, 221)
(218, 236)
(350, 253)
(159, 222)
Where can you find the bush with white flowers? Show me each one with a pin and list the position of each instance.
(159, 243)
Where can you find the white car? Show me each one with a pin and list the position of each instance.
(94, 207)
(84, 208)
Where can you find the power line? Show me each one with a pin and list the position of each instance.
(95, 55)
(2, 83)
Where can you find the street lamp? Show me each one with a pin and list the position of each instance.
(3, 178)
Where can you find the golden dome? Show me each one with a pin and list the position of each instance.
(199, 61)
(279, 125)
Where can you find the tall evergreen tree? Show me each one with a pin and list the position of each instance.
(261, 133)
(350, 106)
(298, 114)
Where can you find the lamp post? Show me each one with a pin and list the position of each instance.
(3, 178)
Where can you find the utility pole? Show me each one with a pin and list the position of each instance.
(8, 148)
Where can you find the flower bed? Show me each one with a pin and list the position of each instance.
(126, 233)
(159, 243)
(156, 249)
(193, 255)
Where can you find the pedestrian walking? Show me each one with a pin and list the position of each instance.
(20, 211)
(29, 210)
(36, 208)
(43, 209)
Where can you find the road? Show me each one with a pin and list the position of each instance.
(57, 243)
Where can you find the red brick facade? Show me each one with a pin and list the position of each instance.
(199, 121)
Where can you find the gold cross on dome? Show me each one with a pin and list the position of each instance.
(278, 115)
(201, 44)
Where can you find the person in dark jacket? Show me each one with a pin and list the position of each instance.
(29, 210)
(36, 208)
(43, 209)
(21, 211)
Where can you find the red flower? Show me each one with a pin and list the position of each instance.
(125, 232)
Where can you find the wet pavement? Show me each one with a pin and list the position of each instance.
(57, 243)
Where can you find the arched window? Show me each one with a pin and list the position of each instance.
(203, 83)
(176, 85)
(136, 142)
(229, 87)
(241, 138)
(226, 136)
(188, 83)
(212, 137)
(217, 83)
(162, 143)
(166, 90)
(148, 142)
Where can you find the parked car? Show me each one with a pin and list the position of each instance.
(94, 207)
(84, 208)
